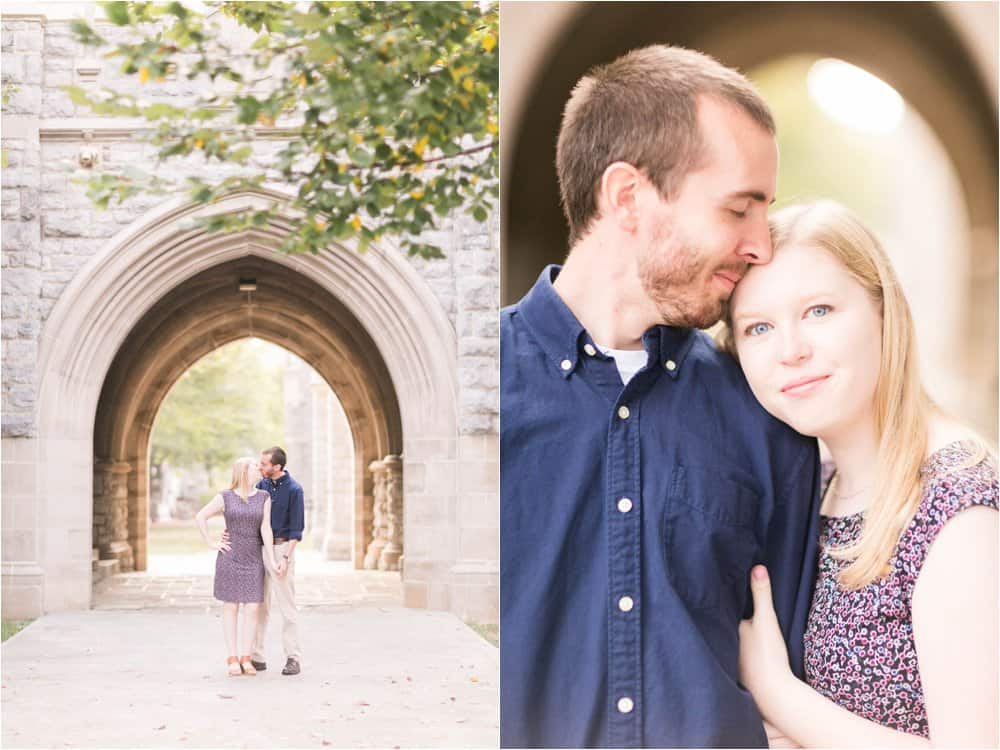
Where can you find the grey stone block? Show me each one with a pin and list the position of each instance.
(26, 100)
(481, 324)
(20, 178)
(18, 372)
(52, 289)
(29, 329)
(21, 397)
(13, 306)
(479, 347)
(57, 104)
(18, 425)
(29, 204)
(26, 281)
(12, 259)
(29, 39)
(10, 205)
(12, 69)
(20, 236)
(8, 328)
(478, 293)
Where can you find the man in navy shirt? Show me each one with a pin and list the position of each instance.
(287, 524)
(640, 479)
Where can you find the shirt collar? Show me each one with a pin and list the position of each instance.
(563, 337)
(280, 480)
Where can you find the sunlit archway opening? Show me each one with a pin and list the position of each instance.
(854, 97)
(239, 399)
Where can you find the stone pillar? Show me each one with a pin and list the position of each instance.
(321, 458)
(340, 513)
(379, 515)
(392, 552)
(111, 512)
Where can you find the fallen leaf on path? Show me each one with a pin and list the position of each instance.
(362, 703)
(473, 679)
(452, 698)
(460, 721)
(162, 726)
(326, 742)
(223, 695)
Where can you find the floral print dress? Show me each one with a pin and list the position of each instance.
(859, 647)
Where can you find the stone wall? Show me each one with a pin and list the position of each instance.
(50, 227)
(50, 232)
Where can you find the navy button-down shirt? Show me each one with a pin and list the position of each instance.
(630, 518)
(288, 508)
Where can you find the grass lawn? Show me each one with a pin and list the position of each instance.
(181, 537)
(490, 633)
(10, 627)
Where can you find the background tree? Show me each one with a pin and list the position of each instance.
(390, 110)
(227, 405)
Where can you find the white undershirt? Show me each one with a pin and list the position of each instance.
(628, 361)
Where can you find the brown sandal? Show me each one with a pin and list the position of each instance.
(233, 665)
(247, 666)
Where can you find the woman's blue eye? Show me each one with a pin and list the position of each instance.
(818, 311)
(757, 329)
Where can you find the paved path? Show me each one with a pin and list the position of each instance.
(145, 668)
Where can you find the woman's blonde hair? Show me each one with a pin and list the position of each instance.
(901, 405)
(244, 476)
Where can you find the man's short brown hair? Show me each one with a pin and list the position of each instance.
(276, 456)
(642, 109)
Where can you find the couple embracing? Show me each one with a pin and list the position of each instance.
(678, 567)
(265, 516)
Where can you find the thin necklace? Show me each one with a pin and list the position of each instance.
(841, 496)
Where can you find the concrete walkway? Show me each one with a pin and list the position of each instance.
(146, 668)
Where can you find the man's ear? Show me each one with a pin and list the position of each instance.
(617, 198)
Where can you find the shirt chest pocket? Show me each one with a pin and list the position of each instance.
(709, 542)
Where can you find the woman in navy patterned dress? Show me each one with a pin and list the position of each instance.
(239, 566)
(901, 641)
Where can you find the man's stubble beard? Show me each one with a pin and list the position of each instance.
(671, 271)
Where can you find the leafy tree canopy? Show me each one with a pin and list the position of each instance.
(390, 110)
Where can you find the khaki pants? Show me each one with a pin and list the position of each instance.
(283, 591)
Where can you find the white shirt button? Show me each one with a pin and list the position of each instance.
(670, 365)
(566, 364)
(625, 705)
(623, 412)
(589, 348)
(624, 505)
(625, 604)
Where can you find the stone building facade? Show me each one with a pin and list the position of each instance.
(103, 310)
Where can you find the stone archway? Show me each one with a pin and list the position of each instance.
(154, 300)
(918, 48)
(199, 315)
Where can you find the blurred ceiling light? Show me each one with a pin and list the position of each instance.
(854, 97)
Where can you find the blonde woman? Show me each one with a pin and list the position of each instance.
(239, 566)
(901, 641)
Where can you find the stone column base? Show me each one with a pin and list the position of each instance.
(23, 590)
(475, 591)
(122, 552)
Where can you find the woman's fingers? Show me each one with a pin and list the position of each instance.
(760, 586)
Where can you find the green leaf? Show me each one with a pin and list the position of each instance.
(117, 12)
